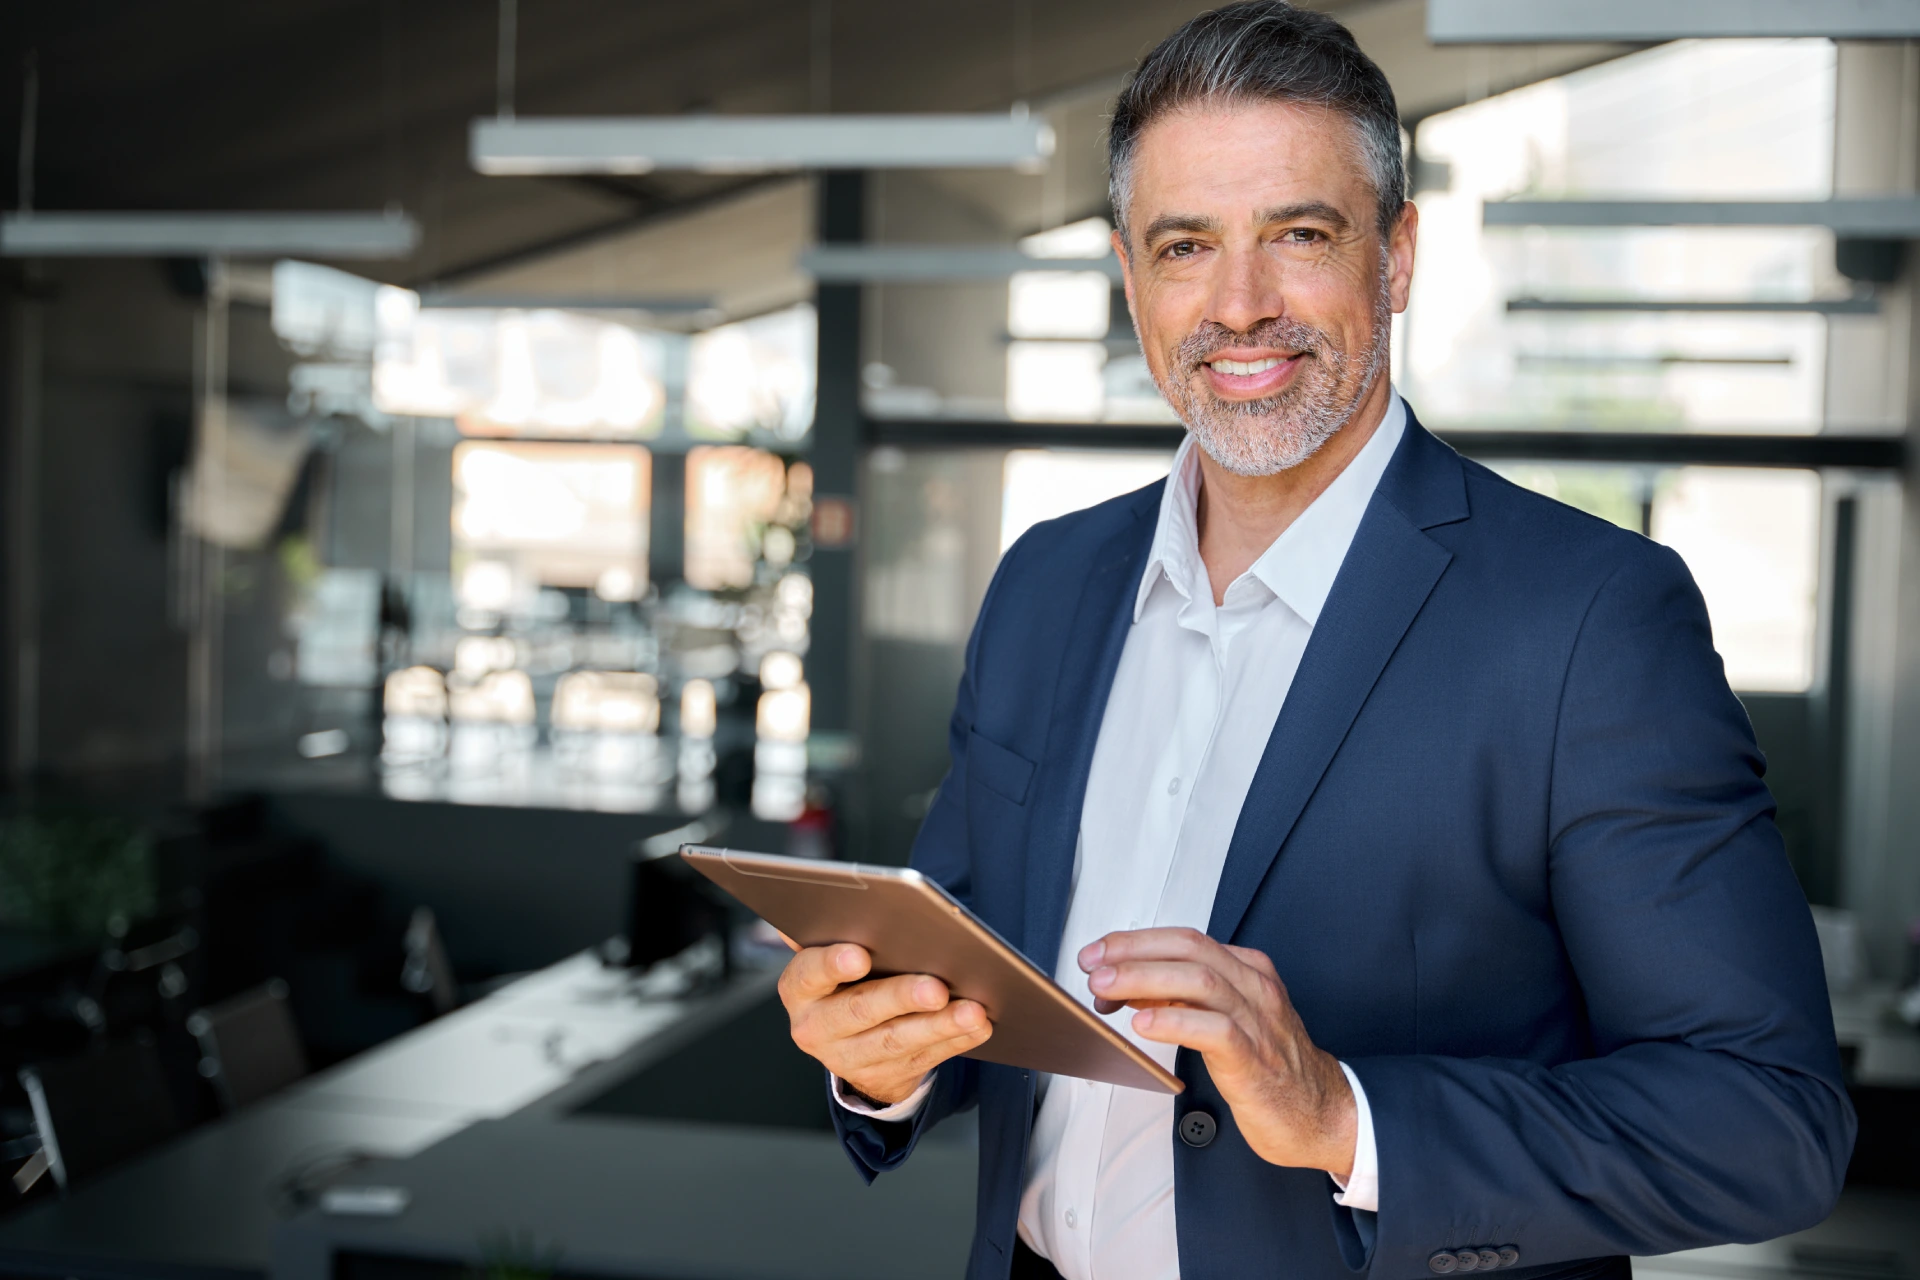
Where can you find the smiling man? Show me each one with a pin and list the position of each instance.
(1404, 814)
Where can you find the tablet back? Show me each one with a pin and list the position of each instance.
(911, 925)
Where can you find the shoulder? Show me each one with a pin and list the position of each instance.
(1542, 543)
(1049, 563)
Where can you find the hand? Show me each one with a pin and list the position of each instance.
(881, 1036)
(1290, 1100)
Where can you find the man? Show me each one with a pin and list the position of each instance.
(1405, 814)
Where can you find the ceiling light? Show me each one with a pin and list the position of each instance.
(208, 235)
(759, 144)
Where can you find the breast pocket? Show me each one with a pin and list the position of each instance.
(1005, 773)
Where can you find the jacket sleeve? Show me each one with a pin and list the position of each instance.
(941, 853)
(1713, 1109)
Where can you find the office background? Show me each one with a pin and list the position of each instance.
(456, 452)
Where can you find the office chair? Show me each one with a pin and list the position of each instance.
(427, 971)
(249, 1045)
(96, 1110)
(147, 969)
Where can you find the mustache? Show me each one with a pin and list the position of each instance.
(1212, 336)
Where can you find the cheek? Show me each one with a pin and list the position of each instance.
(1165, 313)
(1335, 301)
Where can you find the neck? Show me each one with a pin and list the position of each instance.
(1240, 516)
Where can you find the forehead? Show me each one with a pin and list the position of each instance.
(1216, 155)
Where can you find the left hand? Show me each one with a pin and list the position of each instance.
(1290, 1100)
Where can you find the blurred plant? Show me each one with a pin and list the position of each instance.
(298, 561)
(70, 874)
(516, 1255)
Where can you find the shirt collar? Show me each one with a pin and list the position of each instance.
(1303, 561)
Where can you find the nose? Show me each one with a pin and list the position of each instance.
(1247, 289)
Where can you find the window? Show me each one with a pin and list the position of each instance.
(527, 516)
(1058, 321)
(1736, 119)
(1042, 484)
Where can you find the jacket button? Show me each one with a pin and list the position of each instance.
(1509, 1255)
(1489, 1259)
(1442, 1262)
(1197, 1128)
(1469, 1259)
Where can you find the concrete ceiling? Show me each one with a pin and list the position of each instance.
(359, 104)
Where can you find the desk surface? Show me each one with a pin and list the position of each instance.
(206, 1204)
(479, 1115)
(658, 1199)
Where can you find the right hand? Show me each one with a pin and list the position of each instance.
(880, 1036)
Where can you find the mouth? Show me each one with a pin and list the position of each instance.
(1249, 375)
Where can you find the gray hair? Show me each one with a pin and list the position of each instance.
(1262, 50)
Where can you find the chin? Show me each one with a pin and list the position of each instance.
(1256, 449)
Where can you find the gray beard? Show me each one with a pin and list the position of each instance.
(1279, 432)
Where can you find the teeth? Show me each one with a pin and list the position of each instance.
(1244, 367)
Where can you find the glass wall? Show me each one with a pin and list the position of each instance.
(1504, 326)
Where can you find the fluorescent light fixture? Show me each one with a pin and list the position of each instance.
(664, 305)
(208, 235)
(1579, 21)
(935, 263)
(1858, 305)
(1892, 216)
(759, 144)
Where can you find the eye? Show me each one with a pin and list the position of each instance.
(1301, 235)
(1180, 249)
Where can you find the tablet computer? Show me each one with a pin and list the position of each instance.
(909, 924)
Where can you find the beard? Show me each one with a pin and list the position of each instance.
(1277, 432)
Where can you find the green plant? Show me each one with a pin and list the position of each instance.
(514, 1255)
(70, 874)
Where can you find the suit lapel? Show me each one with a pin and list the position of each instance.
(1389, 572)
(1102, 616)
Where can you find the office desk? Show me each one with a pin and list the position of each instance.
(207, 1203)
(653, 1199)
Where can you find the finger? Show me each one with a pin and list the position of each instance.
(1148, 944)
(1140, 982)
(1204, 1030)
(935, 1054)
(903, 1042)
(866, 1005)
(1115, 1006)
(816, 972)
(1258, 960)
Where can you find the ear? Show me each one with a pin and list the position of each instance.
(1400, 247)
(1126, 275)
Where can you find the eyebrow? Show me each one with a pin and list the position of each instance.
(1196, 224)
(1317, 210)
(1168, 223)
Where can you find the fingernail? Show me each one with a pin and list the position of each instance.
(1091, 953)
(1102, 978)
(1143, 1020)
(927, 995)
(968, 1016)
(846, 962)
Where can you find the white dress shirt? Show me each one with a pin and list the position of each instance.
(1194, 701)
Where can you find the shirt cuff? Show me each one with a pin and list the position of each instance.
(1361, 1190)
(905, 1109)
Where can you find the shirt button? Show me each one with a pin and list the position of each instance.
(1073, 1219)
(1173, 787)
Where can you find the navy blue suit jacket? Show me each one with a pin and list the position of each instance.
(1508, 847)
